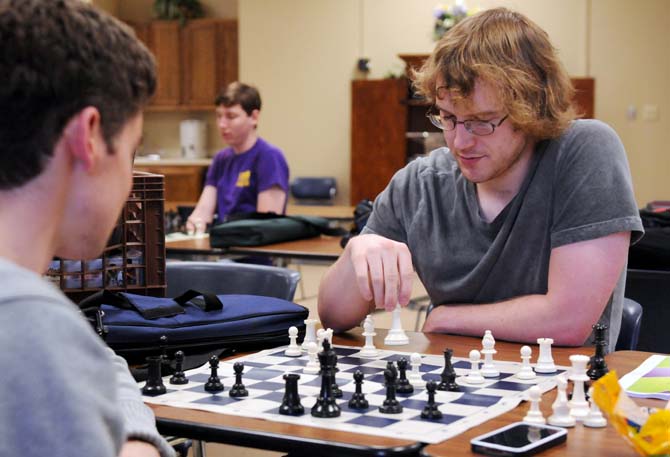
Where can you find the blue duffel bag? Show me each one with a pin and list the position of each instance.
(136, 326)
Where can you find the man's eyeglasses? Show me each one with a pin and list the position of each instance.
(475, 127)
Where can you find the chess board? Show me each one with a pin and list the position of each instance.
(263, 378)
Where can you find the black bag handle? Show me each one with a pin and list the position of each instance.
(119, 300)
(212, 302)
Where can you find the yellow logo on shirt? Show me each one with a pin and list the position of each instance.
(243, 178)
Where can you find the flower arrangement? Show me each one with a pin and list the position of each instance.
(446, 18)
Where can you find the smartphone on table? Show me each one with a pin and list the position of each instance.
(519, 439)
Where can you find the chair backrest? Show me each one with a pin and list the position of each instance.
(231, 278)
(319, 190)
(631, 321)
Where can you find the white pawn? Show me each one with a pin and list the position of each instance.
(526, 371)
(293, 350)
(415, 373)
(474, 376)
(534, 415)
(310, 333)
(396, 336)
(312, 366)
(561, 411)
(489, 370)
(545, 362)
(369, 350)
(595, 418)
(579, 407)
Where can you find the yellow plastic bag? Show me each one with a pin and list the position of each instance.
(648, 433)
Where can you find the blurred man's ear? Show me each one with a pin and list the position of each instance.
(83, 136)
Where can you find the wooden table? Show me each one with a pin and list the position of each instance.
(322, 249)
(299, 440)
(332, 212)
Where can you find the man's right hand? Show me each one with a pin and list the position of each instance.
(383, 270)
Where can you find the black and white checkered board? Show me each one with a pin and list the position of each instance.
(263, 378)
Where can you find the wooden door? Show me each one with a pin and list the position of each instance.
(378, 124)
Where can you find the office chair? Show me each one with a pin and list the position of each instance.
(651, 288)
(230, 278)
(631, 320)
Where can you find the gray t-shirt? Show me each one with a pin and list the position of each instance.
(578, 188)
(63, 393)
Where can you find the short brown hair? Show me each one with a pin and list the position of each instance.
(238, 93)
(509, 51)
(58, 57)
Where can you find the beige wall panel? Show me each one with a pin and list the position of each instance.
(630, 60)
(301, 54)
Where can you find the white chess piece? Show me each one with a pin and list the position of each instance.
(396, 335)
(312, 366)
(595, 418)
(534, 415)
(329, 335)
(310, 333)
(320, 335)
(579, 407)
(545, 362)
(415, 361)
(369, 350)
(293, 350)
(489, 370)
(474, 376)
(526, 371)
(561, 411)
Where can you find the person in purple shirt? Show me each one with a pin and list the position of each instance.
(250, 174)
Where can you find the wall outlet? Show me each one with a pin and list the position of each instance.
(649, 112)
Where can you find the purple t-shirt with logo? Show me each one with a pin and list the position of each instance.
(239, 178)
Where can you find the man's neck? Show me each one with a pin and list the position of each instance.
(247, 144)
(495, 195)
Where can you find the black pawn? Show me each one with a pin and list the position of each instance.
(326, 404)
(179, 377)
(391, 367)
(597, 365)
(238, 389)
(154, 385)
(391, 404)
(430, 411)
(290, 405)
(358, 400)
(448, 375)
(213, 383)
(337, 392)
(403, 385)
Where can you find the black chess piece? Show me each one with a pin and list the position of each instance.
(391, 404)
(238, 389)
(290, 405)
(430, 411)
(403, 385)
(213, 384)
(165, 360)
(154, 385)
(391, 366)
(358, 400)
(179, 377)
(597, 365)
(448, 375)
(326, 404)
(337, 392)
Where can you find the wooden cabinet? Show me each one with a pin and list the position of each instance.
(183, 183)
(386, 122)
(194, 61)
